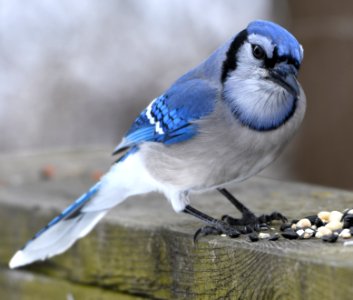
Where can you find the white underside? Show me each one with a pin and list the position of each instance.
(124, 179)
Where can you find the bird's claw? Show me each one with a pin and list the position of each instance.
(220, 228)
(250, 223)
(244, 226)
(274, 216)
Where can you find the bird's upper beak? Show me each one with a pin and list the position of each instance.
(285, 75)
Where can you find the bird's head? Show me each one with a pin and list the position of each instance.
(259, 75)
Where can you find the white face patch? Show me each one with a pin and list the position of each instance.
(247, 64)
(262, 41)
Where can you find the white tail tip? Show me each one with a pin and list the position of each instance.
(19, 259)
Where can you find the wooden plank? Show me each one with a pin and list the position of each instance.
(23, 285)
(143, 248)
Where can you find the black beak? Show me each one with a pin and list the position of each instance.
(285, 76)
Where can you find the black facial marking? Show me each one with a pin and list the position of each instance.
(230, 62)
(269, 63)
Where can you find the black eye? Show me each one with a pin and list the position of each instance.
(258, 52)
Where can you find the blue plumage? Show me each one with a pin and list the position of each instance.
(70, 210)
(286, 44)
(244, 102)
(169, 118)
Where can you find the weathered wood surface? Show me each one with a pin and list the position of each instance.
(15, 285)
(143, 249)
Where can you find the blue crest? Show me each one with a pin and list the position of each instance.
(283, 40)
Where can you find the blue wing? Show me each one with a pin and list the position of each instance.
(168, 118)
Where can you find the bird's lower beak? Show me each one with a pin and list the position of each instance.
(286, 78)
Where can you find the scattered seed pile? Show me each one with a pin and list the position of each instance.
(328, 226)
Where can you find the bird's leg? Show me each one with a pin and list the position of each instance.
(213, 226)
(249, 221)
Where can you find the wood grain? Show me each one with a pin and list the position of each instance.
(143, 249)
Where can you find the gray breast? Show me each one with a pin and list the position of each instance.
(223, 151)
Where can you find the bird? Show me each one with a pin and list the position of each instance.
(223, 121)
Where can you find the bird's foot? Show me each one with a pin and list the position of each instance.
(218, 228)
(250, 222)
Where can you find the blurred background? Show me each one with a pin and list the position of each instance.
(75, 74)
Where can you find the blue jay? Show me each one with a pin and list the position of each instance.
(223, 121)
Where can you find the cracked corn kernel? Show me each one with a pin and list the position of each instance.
(335, 216)
(322, 231)
(304, 223)
(345, 233)
(324, 216)
(334, 225)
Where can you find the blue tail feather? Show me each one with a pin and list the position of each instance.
(71, 210)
